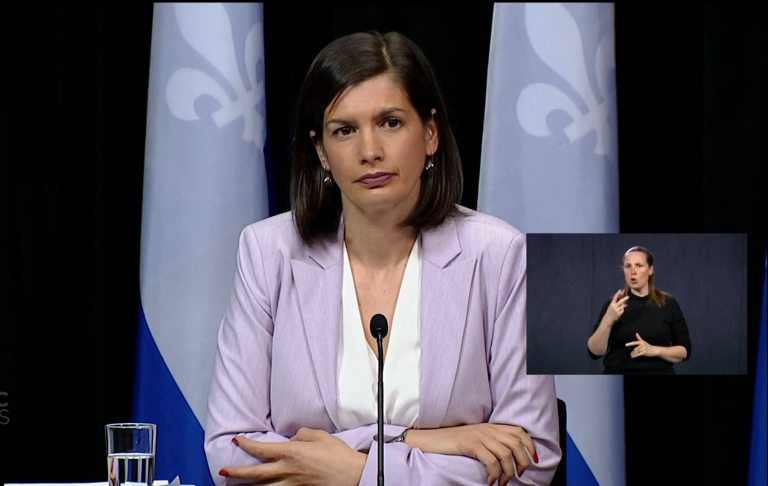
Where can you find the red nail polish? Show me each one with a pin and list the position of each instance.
(224, 473)
(535, 457)
(234, 439)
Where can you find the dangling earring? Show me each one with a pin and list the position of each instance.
(430, 165)
(327, 180)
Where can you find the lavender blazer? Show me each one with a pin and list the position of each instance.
(275, 368)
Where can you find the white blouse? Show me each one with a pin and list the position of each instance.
(358, 367)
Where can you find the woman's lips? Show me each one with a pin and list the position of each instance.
(376, 180)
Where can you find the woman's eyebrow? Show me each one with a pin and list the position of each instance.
(380, 114)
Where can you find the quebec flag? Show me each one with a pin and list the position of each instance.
(549, 165)
(205, 179)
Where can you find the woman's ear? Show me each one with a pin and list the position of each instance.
(433, 134)
(320, 150)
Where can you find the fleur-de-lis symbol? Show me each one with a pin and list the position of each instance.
(207, 28)
(565, 54)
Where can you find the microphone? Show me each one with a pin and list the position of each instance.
(379, 330)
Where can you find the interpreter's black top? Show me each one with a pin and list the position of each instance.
(659, 326)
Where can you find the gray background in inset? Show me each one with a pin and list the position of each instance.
(570, 276)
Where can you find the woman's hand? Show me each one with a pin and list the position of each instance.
(311, 457)
(616, 308)
(490, 444)
(643, 348)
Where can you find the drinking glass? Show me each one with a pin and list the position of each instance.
(131, 454)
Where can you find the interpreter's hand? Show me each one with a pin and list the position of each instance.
(311, 457)
(491, 444)
(643, 348)
(616, 307)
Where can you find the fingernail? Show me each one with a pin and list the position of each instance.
(224, 473)
(234, 439)
(535, 458)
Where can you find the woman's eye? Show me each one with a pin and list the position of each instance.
(344, 131)
(393, 123)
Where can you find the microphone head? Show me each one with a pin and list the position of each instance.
(379, 326)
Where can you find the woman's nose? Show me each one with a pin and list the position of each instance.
(371, 149)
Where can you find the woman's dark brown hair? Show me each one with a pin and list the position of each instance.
(656, 298)
(343, 64)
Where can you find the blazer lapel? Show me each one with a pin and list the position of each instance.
(445, 287)
(318, 285)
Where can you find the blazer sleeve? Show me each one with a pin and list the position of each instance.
(527, 401)
(239, 396)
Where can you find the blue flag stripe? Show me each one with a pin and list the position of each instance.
(757, 466)
(158, 400)
(578, 472)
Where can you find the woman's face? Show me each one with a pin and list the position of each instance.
(375, 146)
(637, 271)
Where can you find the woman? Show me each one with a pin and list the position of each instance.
(640, 330)
(375, 228)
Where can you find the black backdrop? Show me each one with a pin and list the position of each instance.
(73, 84)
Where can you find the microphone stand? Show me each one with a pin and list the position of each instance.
(381, 410)
(379, 329)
